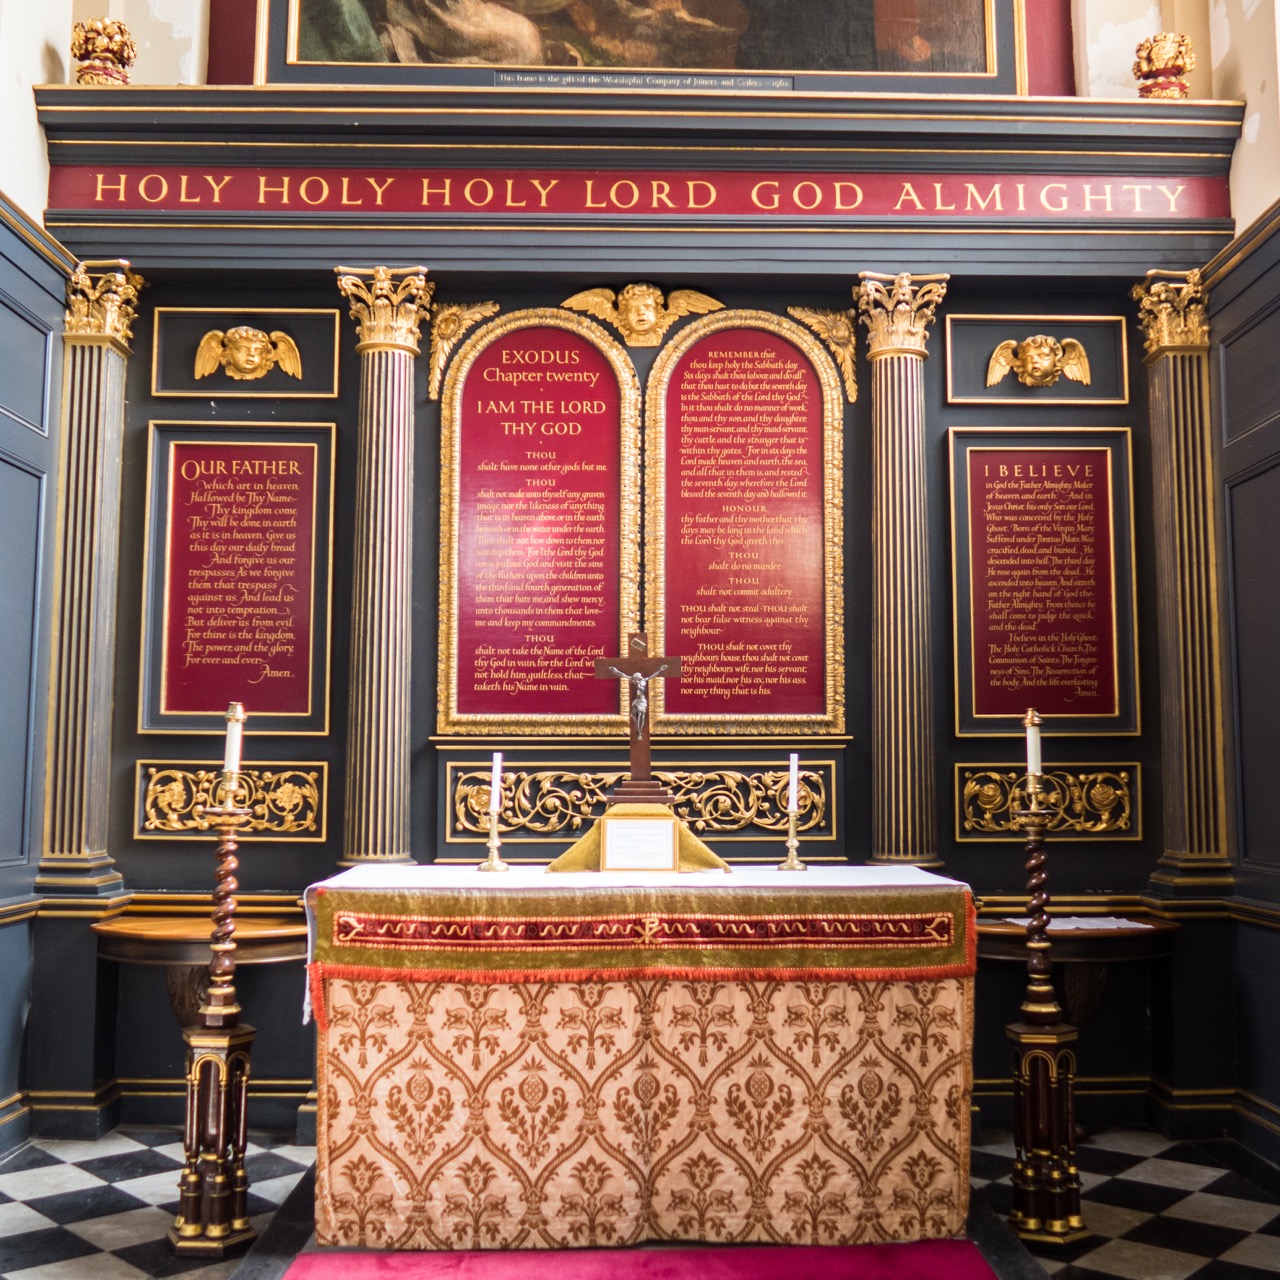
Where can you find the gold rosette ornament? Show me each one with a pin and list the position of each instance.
(1162, 62)
(105, 50)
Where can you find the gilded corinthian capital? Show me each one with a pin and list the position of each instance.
(388, 311)
(898, 311)
(103, 306)
(1171, 311)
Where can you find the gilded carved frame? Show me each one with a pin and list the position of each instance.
(448, 718)
(832, 719)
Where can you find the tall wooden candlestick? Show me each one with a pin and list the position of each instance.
(1046, 1179)
(213, 1191)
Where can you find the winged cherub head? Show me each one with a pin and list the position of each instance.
(1039, 361)
(247, 353)
(639, 311)
(640, 314)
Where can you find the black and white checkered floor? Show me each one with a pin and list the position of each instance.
(1158, 1210)
(100, 1210)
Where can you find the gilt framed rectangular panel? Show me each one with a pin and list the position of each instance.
(744, 565)
(539, 526)
(736, 46)
(238, 577)
(1043, 580)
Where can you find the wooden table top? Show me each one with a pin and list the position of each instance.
(1135, 939)
(185, 939)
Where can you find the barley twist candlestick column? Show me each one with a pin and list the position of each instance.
(897, 311)
(1046, 1181)
(388, 308)
(213, 1214)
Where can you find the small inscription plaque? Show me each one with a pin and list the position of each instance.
(238, 595)
(1043, 581)
(542, 566)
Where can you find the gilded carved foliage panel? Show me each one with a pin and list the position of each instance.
(553, 1115)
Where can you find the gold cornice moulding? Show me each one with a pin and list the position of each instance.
(388, 305)
(449, 322)
(640, 313)
(103, 307)
(898, 317)
(838, 329)
(1172, 312)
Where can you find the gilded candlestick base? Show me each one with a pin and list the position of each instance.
(493, 862)
(792, 862)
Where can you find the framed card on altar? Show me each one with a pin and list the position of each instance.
(638, 844)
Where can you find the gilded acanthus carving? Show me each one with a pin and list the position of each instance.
(898, 316)
(1097, 802)
(449, 321)
(1162, 62)
(387, 305)
(1171, 311)
(247, 353)
(838, 329)
(105, 50)
(283, 800)
(103, 306)
(1039, 361)
(639, 312)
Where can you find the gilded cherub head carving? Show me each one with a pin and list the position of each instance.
(247, 353)
(638, 312)
(1039, 361)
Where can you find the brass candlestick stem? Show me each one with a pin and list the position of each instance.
(493, 862)
(213, 1214)
(1046, 1179)
(792, 862)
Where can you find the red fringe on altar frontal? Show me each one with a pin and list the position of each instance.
(925, 1260)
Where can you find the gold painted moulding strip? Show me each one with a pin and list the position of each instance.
(1081, 801)
(286, 801)
(551, 802)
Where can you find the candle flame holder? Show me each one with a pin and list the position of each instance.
(792, 861)
(493, 862)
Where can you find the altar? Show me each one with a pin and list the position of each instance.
(536, 1060)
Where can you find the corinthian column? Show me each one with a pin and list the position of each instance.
(101, 299)
(897, 311)
(1171, 311)
(388, 307)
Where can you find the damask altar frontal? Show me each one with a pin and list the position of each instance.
(580, 1060)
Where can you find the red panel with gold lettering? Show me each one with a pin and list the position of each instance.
(239, 569)
(744, 548)
(1041, 548)
(538, 552)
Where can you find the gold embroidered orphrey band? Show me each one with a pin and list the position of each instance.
(635, 932)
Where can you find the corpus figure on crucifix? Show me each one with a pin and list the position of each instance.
(637, 668)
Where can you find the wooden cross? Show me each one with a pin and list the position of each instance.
(637, 668)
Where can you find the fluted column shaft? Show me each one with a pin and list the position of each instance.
(903, 804)
(101, 308)
(388, 309)
(1172, 315)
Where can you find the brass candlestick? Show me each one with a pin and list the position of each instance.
(213, 1214)
(493, 862)
(1046, 1179)
(792, 862)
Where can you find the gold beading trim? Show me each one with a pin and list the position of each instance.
(284, 799)
(898, 318)
(388, 312)
(832, 719)
(546, 802)
(449, 321)
(1171, 312)
(105, 306)
(1080, 802)
(448, 718)
(839, 330)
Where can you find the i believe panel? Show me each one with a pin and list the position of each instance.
(540, 526)
(744, 517)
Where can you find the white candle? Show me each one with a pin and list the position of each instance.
(793, 787)
(495, 783)
(1032, 721)
(235, 731)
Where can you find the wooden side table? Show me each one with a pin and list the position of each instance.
(181, 944)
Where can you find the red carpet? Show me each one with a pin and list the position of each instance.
(927, 1260)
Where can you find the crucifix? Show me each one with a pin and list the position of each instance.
(637, 668)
